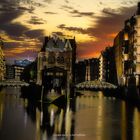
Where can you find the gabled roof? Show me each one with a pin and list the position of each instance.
(57, 44)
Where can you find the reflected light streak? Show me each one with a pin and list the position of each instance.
(123, 122)
(52, 117)
(44, 136)
(60, 121)
(136, 124)
(68, 119)
(38, 118)
(99, 117)
(25, 119)
(41, 117)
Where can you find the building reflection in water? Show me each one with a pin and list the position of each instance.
(90, 116)
(52, 122)
(136, 124)
(87, 117)
(130, 123)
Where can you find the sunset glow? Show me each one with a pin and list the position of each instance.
(94, 24)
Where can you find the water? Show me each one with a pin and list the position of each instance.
(88, 117)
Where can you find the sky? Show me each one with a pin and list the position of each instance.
(94, 24)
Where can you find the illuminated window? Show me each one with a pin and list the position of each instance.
(50, 74)
(125, 36)
(125, 57)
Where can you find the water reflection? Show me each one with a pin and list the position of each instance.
(89, 116)
(130, 124)
(52, 122)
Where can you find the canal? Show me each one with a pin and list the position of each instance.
(90, 116)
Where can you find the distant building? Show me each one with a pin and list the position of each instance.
(107, 69)
(87, 70)
(2, 62)
(56, 63)
(18, 71)
(101, 68)
(15, 71)
(10, 72)
(94, 69)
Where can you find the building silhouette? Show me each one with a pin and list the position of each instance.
(80, 71)
(127, 52)
(87, 70)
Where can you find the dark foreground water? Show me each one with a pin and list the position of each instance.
(88, 117)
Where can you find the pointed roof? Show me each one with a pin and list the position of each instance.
(58, 44)
(68, 45)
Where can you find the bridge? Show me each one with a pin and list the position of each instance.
(13, 83)
(95, 85)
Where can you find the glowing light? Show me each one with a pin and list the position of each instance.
(125, 36)
(52, 118)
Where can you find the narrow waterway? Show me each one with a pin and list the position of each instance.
(91, 116)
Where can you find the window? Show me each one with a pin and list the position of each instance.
(60, 60)
(51, 59)
(125, 36)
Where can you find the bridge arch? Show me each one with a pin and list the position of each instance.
(95, 85)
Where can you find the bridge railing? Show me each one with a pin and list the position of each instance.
(13, 83)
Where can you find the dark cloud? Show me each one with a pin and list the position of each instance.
(15, 29)
(48, 1)
(129, 2)
(58, 33)
(9, 16)
(50, 13)
(66, 8)
(67, 1)
(9, 11)
(105, 31)
(76, 13)
(7, 25)
(37, 4)
(109, 11)
(11, 45)
(111, 23)
(74, 29)
(34, 33)
(100, 3)
(17, 5)
(36, 20)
